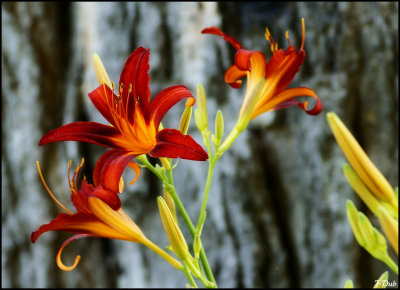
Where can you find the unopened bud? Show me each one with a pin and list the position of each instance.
(202, 107)
(100, 71)
(219, 127)
(197, 246)
(185, 120)
(175, 236)
(390, 227)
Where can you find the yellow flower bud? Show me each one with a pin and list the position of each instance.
(185, 120)
(390, 227)
(360, 162)
(175, 236)
(360, 188)
(352, 215)
(100, 71)
(202, 107)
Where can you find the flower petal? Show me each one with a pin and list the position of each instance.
(164, 101)
(103, 99)
(172, 143)
(233, 75)
(78, 223)
(89, 132)
(134, 81)
(109, 168)
(285, 99)
(228, 38)
(282, 68)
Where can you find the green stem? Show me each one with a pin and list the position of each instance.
(211, 166)
(192, 230)
(186, 270)
(392, 265)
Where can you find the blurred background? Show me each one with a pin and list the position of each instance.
(276, 214)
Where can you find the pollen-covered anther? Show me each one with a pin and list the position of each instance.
(121, 88)
(287, 37)
(272, 43)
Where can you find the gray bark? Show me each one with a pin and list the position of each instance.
(276, 213)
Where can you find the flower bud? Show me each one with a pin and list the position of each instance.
(174, 234)
(360, 162)
(390, 227)
(185, 120)
(100, 71)
(219, 127)
(202, 108)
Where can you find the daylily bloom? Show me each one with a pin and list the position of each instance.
(274, 76)
(134, 122)
(94, 218)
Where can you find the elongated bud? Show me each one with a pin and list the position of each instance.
(360, 162)
(197, 246)
(185, 120)
(249, 105)
(165, 162)
(175, 236)
(349, 284)
(100, 71)
(202, 122)
(171, 204)
(219, 127)
(390, 227)
(359, 187)
(352, 215)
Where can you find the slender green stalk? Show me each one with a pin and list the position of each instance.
(186, 270)
(192, 229)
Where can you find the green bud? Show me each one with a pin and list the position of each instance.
(197, 246)
(352, 215)
(219, 127)
(349, 284)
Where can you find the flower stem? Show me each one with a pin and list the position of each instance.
(192, 229)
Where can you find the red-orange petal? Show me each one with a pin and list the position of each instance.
(283, 66)
(164, 101)
(103, 99)
(172, 143)
(227, 37)
(89, 132)
(79, 223)
(109, 168)
(135, 81)
(285, 99)
(233, 76)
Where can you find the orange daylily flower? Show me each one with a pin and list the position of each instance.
(134, 122)
(94, 218)
(276, 74)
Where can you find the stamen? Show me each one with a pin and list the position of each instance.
(287, 36)
(48, 190)
(121, 88)
(304, 33)
(113, 86)
(60, 264)
(274, 46)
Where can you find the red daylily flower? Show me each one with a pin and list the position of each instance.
(134, 120)
(94, 218)
(278, 72)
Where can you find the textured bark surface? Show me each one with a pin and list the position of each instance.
(276, 212)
